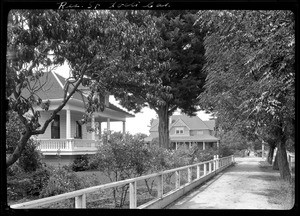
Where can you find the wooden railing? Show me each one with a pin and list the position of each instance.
(66, 144)
(209, 168)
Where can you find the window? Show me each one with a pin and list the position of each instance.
(55, 128)
(78, 130)
(199, 132)
(179, 130)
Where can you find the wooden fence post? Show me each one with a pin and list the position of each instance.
(177, 179)
(209, 167)
(189, 174)
(160, 186)
(217, 162)
(80, 201)
(204, 169)
(198, 171)
(132, 195)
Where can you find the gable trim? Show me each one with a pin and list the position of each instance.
(61, 85)
(173, 125)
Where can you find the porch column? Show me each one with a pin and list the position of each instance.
(218, 144)
(203, 145)
(124, 128)
(176, 146)
(190, 145)
(100, 129)
(93, 127)
(108, 128)
(68, 124)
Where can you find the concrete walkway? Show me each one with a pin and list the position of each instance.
(242, 186)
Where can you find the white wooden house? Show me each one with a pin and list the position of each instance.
(65, 136)
(187, 131)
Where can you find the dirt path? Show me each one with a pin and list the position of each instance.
(243, 186)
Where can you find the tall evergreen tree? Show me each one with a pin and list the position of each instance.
(164, 71)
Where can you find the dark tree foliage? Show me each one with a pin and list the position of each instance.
(161, 67)
(40, 40)
(251, 75)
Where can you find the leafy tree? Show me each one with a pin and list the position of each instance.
(234, 140)
(39, 40)
(30, 159)
(250, 64)
(121, 158)
(61, 180)
(160, 65)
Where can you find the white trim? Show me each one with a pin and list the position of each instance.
(68, 123)
(173, 125)
(61, 85)
(179, 129)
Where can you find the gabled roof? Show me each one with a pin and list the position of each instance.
(50, 88)
(53, 89)
(193, 123)
(179, 123)
(211, 124)
(114, 107)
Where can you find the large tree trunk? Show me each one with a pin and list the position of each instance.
(270, 154)
(163, 127)
(19, 149)
(282, 158)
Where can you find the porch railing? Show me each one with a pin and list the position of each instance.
(67, 144)
(209, 168)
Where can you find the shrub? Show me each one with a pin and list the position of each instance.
(30, 159)
(23, 184)
(18, 186)
(81, 163)
(204, 155)
(122, 158)
(225, 151)
(61, 181)
(40, 179)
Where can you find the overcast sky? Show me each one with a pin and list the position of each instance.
(140, 123)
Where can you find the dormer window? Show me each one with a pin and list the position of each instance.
(179, 130)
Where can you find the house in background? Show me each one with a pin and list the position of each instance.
(188, 131)
(65, 135)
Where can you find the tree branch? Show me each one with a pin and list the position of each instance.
(58, 109)
(172, 110)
